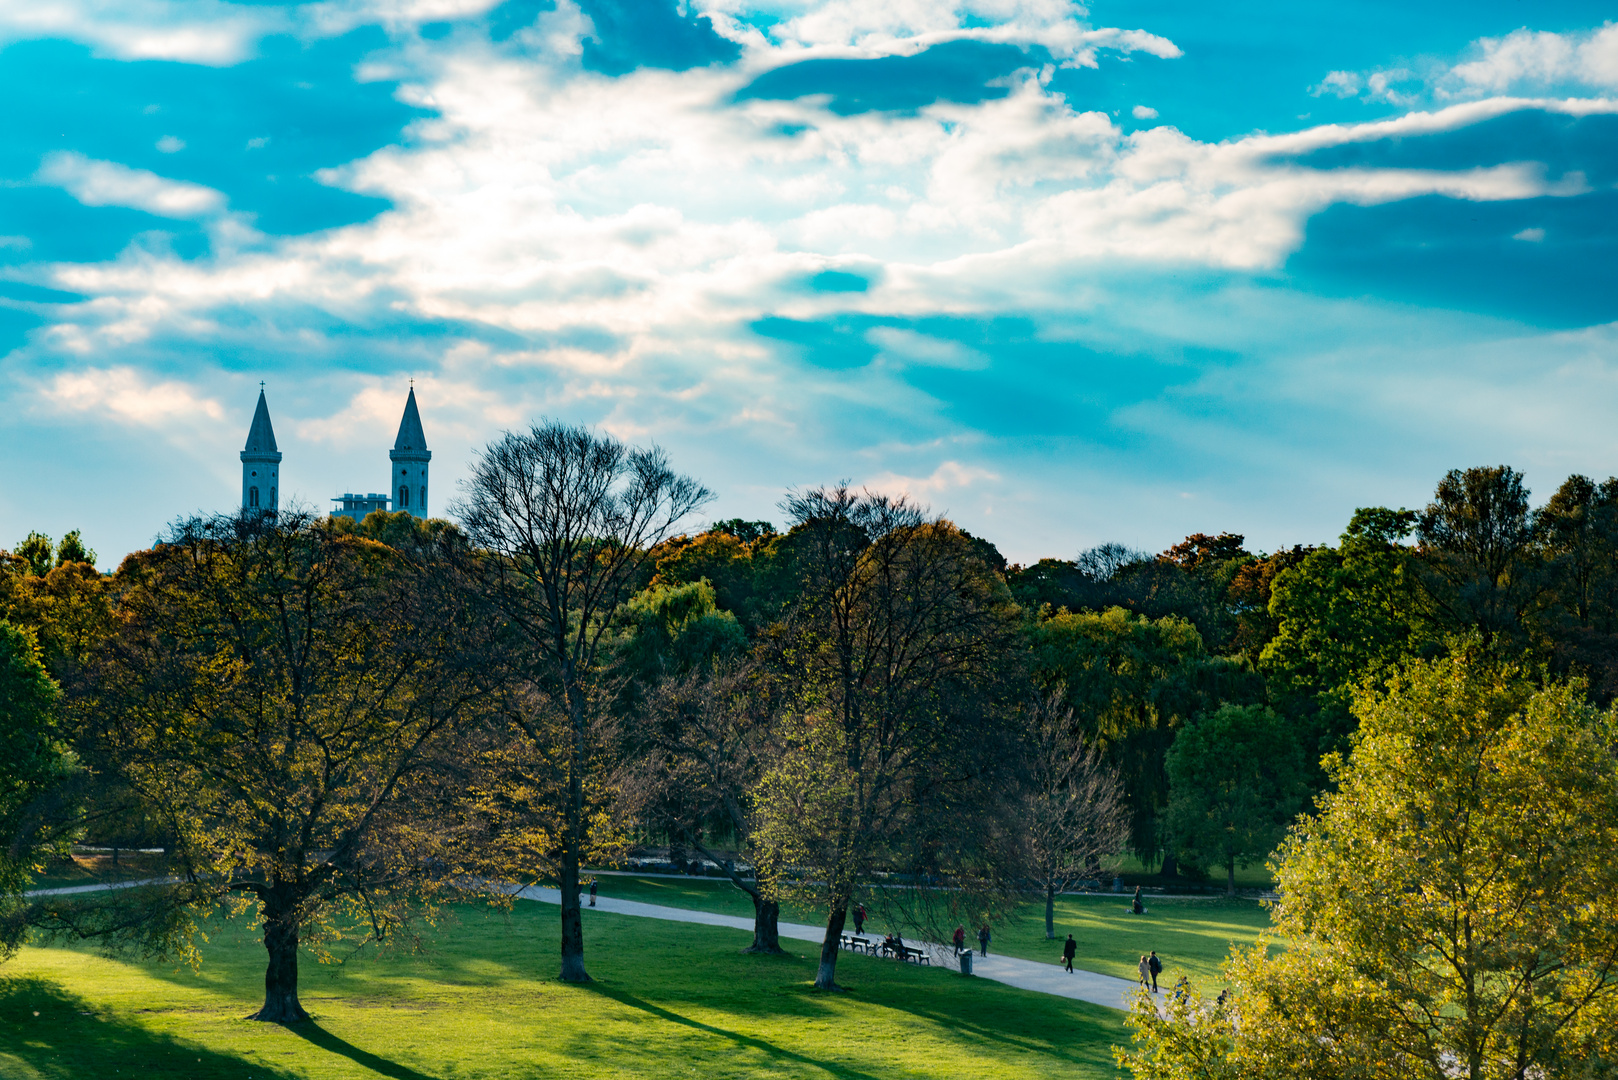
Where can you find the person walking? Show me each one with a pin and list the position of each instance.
(859, 918)
(592, 892)
(960, 939)
(1069, 947)
(983, 939)
(1145, 970)
(1155, 966)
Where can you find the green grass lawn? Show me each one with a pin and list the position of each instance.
(1193, 936)
(670, 1000)
(1190, 935)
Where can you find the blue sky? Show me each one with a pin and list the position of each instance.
(1071, 274)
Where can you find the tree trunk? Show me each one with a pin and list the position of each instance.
(766, 913)
(766, 926)
(572, 919)
(1230, 876)
(1050, 911)
(830, 948)
(278, 914)
(573, 834)
(1170, 867)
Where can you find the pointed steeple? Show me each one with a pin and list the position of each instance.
(261, 462)
(261, 436)
(408, 462)
(411, 437)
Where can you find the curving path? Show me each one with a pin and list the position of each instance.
(1023, 974)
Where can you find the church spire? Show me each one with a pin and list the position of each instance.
(261, 436)
(410, 435)
(261, 462)
(409, 458)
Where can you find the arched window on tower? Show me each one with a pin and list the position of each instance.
(423, 502)
(404, 497)
(252, 497)
(272, 495)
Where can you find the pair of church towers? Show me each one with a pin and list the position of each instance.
(261, 468)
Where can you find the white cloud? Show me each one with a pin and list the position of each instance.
(107, 183)
(169, 144)
(195, 31)
(130, 396)
(1144, 112)
(1533, 236)
(1524, 61)
(1528, 59)
(949, 476)
(1343, 84)
(910, 347)
(890, 27)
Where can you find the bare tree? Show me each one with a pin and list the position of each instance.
(1074, 809)
(708, 736)
(565, 520)
(896, 655)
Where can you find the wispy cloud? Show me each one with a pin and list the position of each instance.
(195, 31)
(107, 183)
(130, 396)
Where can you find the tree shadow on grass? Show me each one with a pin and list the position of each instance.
(973, 1007)
(763, 1046)
(57, 1035)
(311, 1031)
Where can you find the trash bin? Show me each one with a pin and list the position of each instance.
(965, 956)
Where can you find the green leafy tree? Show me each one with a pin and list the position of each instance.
(1477, 544)
(36, 553)
(1343, 614)
(286, 698)
(1235, 781)
(33, 762)
(72, 550)
(675, 628)
(1576, 622)
(1131, 682)
(1450, 911)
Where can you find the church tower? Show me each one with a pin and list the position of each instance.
(261, 462)
(410, 457)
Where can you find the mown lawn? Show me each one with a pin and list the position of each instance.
(1189, 935)
(670, 1000)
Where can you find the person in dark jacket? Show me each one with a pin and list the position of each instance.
(1069, 947)
(859, 918)
(1156, 966)
(1137, 907)
(983, 939)
(592, 892)
(960, 939)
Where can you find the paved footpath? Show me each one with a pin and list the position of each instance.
(1023, 974)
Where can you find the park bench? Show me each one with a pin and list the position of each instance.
(918, 956)
(856, 943)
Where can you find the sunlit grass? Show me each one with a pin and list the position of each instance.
(670, 1000)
